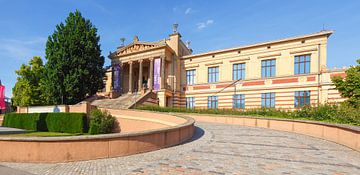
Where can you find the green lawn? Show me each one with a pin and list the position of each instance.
(43, 134)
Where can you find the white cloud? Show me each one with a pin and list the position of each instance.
(188, 11)
(205, 24)
(22, 49)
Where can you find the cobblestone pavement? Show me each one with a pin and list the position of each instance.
(223, 149)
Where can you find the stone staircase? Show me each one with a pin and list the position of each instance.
(127, 101)
(122, 102)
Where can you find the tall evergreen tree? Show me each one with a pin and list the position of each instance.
(74, 68)
(28, 89)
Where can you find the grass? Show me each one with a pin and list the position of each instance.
(42, 134)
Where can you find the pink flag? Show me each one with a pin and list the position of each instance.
(2, 97)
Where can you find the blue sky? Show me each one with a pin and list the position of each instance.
(208, 25)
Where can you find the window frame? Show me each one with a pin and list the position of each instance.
(268, 100)
(268, 64)
(302, 100)
(239, 101)
(302, 64)
(237, 71)
(213, 102)
(190, 102)
(193, 75)
(213, 74)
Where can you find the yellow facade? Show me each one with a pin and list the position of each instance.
(284, 84)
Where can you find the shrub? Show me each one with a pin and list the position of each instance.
(67, 122)
(31, 121)
(101, 122)
(53, 122)
(341, 113)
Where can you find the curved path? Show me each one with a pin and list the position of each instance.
(223, 149)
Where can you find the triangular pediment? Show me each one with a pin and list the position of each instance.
(137, 47)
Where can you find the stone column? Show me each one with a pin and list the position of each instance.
(122, 78)
(130, 76)
(140, 75)
(162, 72)
(151, 74)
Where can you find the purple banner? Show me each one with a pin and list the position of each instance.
(117, 78)
(2, 97)
(157, 63)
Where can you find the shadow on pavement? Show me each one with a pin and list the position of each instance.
(10, 171)
(198, 133)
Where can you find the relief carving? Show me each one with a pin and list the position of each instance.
(135, 48)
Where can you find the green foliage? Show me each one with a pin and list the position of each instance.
(32, 121)
(256, 112)
(52, 122)
(28, 89)
(74, 68)
(67, 122)
(101, 122)
(342, 113)
(350, 86)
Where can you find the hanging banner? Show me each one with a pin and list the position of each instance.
(157, 63)
(2, 97)
(117, 78)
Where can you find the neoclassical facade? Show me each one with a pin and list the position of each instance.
(285, 73)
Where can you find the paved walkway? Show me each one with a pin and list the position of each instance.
(223, 149)
(6, 130)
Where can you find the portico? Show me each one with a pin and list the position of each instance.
(138, 75)
(142, 67)
(151, 69)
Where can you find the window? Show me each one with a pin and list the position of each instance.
(268, 100)
(268, 68)
(212, 102)
(239, 101)
(190, 102)
(213, 74)
(302, 64)
(190, 77)
(239, 71)
(302, 98)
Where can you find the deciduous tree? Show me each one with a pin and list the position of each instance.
(349, 87)
(28, 88)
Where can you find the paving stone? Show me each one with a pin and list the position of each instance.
(222, 149)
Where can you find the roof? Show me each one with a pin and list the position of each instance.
(120, 49)
(321, 33)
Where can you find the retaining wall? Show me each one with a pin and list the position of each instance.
(345, 135)
(75, 148)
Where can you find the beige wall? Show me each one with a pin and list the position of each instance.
(283, 52)
(284, 84)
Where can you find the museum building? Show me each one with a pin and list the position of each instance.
(286, 73)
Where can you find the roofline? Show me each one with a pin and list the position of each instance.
(321, 33)
(133, 53)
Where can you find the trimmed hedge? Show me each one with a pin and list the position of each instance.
(52, 122)
(67, 122)
(33, 121)
(341, 113)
